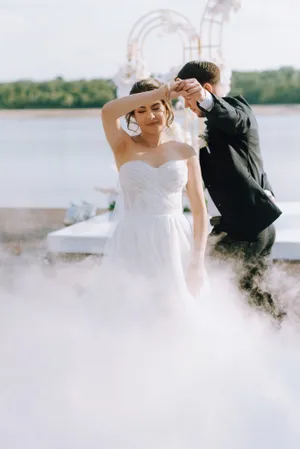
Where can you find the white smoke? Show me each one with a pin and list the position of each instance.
(94, 361)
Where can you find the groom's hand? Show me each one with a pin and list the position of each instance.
(192, 88)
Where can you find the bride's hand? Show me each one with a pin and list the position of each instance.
(195, 277)
(175, 89)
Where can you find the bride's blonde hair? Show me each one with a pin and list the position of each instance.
(144, 86)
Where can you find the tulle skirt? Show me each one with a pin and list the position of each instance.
(156, 250)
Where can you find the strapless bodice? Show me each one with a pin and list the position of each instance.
(153, 190)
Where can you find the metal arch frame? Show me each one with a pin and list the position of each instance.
(155, 20)
(215, 20)
(209, 38)
(145, 36)
(209, 19)
(160, 12)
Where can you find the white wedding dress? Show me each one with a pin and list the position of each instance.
(153, 239)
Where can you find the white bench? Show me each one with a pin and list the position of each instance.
(87, 237)
(90, 237)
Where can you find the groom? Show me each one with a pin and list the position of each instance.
(233, 173)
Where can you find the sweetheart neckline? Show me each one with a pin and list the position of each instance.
(151, 166)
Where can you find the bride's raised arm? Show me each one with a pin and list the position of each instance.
(115, 109)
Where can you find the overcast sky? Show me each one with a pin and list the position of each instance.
(41, 39)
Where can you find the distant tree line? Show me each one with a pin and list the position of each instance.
(57, 93)
(266, 87)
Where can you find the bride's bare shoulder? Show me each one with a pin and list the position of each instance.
(185, 150)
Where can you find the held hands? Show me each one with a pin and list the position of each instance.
(187, 88)
(173, 90)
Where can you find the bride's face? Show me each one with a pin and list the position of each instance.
(152, 118)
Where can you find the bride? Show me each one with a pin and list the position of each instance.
(153, 239)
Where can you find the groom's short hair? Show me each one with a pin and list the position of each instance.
(203, 71)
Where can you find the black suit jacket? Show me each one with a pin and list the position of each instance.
(232, 168)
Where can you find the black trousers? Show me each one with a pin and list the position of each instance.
(252, 259)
